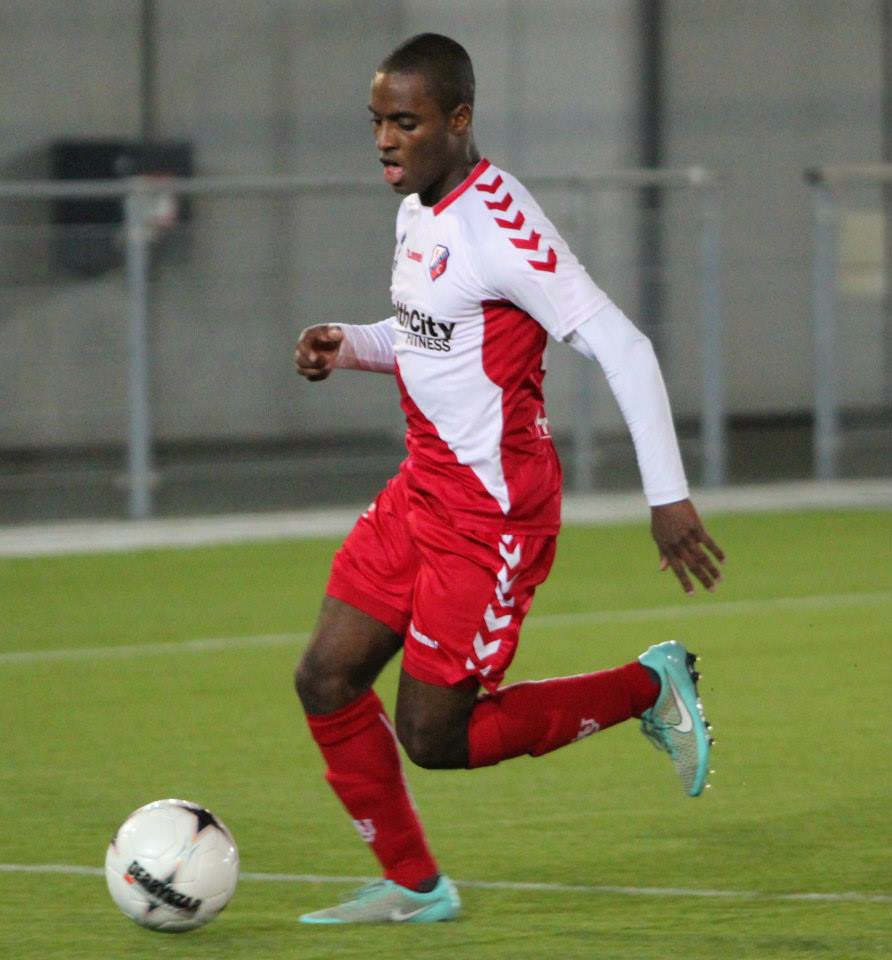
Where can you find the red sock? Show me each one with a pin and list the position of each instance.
(539, 716)
(364, 770)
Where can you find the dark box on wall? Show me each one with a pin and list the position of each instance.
(88, 239)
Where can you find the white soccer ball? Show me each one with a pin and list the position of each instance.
(172, 866)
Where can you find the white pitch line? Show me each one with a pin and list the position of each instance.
(709, 608)
(142, 649)
(705, 608)
(510, 885)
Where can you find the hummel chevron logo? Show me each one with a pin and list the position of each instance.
(483, 671)
(490, 187)
(501, 205)
(512, 558)
(366, 829)
(686, 724)
(493, 622)
(543, 430)
(531, 243)
(546, 265)
(514, 224)
(504, 601)
(484, 650)
(587, 726)
(504, 582)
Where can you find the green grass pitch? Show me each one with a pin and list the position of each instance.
(797, 679)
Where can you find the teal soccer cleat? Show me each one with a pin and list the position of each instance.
(384, 901)
(675, 723)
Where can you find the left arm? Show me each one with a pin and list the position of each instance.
(630, 365)
(632, 370)
(554, 288)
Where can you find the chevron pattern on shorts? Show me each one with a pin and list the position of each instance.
(486, 645)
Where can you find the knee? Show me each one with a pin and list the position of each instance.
(321, 688)
(305, 681)
(433, 747)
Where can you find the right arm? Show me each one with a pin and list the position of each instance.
(325, 346)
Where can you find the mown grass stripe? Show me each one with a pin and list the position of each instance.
(695, 610)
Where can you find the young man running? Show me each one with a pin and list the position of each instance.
(444, 564)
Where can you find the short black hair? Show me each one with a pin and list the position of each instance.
(443, 62)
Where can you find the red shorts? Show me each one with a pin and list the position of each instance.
(458, 598)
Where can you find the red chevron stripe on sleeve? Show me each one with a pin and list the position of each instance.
(514, 224)
(501, 205)
(548, 264)
(490, 187)
(531, 242)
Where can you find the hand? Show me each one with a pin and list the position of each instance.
(680, 537)
(317, 350)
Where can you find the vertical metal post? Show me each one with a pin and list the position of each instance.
(583, 426)
(139, 439)
(826, 423)
(148, 43)
(516, 70)
(712, 417)
(651, 64)
(886, 116)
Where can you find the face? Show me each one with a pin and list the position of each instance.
(423, 150)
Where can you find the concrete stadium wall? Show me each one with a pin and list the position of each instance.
(762, 90)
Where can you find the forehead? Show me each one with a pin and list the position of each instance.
(401, 93)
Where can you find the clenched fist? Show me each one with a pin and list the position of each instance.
(317, 350)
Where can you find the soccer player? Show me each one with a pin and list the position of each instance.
(443, 565)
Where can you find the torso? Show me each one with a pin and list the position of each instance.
(470, 359)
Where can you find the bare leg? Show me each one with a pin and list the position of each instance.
(432, 722)
(346, 653)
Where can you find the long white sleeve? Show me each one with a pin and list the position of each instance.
(630, 364)
(367, 346)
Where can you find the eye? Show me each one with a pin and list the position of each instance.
(407, 125)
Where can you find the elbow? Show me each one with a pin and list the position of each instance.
(636, 358)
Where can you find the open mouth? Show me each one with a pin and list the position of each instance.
(393, 172)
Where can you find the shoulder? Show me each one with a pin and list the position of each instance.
(522, 258)
(511, 225)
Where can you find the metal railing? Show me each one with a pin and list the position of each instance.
(713, 414)
(824, 184)
(140, 197)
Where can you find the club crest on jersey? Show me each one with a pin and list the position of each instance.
(438, 261)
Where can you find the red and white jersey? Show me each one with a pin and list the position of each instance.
(479, 281)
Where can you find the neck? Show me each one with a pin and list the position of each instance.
(456, 175)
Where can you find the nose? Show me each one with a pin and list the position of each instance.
(384, 136)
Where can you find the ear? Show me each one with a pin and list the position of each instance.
(460, 119)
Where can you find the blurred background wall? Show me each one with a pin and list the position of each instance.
(763, 89)
(757, 91)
